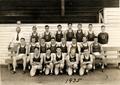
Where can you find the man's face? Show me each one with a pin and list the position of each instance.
(34, 29)
(103, 29)
(58, 50)
(90, 27)
(52, 41)
(72, 52)
(22, 41)
(59, 28)
(36, 51)
(96, 40)
(46, 29)
(86, 52)
(74, 41)
(18, 29)
(48, 52)
(79, 26)
(42, 41)
(33, 40)
(69, 26)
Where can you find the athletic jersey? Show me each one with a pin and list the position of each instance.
(64, 48)
(85, 60)
(22, 50)
(32, 48)
(69, 35)
(57, 58)
(79, 36)
(84, 47)
(48, 59)
(59, 36)
(43, 49)
(53, 49)
(90, 36)
(96, 47)
(37, 59)
(103, 38)
(73, 59)
(34, 36)
(74, 47)
(47, 37)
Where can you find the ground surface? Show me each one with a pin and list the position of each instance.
(110, 76)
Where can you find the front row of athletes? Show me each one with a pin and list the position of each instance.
(52, 59)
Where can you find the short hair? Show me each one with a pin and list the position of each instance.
(95, 36)
(52, 38)
(79, 24)
(59, 25)
(69, 23)
(46, 25)
(90, 24)
(37, 48)
(102, 26)
(22, 39)
(74, 38)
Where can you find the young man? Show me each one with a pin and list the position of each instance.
(90, 33)
(84, 45)
(48, 62)
(58, 62)
(79, 33)
(75, 46)
(69, 34)
(36, 62)
(64, 48)
(103, 36)
(21, 54)
(72, 62)
(31, 49)
(86, 61)
(34, 34)
(59, 34)
(97, 51)
(47, 35)
(53, 47)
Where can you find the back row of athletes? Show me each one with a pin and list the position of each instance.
(50, 54)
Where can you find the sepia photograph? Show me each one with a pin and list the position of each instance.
(59, 42)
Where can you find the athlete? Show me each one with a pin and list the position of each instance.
(58, 62)
(48, 62)
(86, 61)
(103, 36)
(34, 34)
(36, 62)
(21, 54)
(72, 62)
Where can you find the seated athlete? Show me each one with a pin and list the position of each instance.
(47, 35)
(79, 33)
(64, 48)
(59, 34)
(69, 34)
(53, 47)
(36, 62)
(21, 54)
(34, 34)
(48, 62)
(72, 62)
(84, 45)
(90, 34)
(58, 62)
(86, 61)
(97, 51)
(103, 36)
(75, 46)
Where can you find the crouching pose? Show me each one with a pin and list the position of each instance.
(48, 61)
(72, 62)
(86, 61)
(96, 50)
(21, 54)
(59, 62)
(36, 62)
